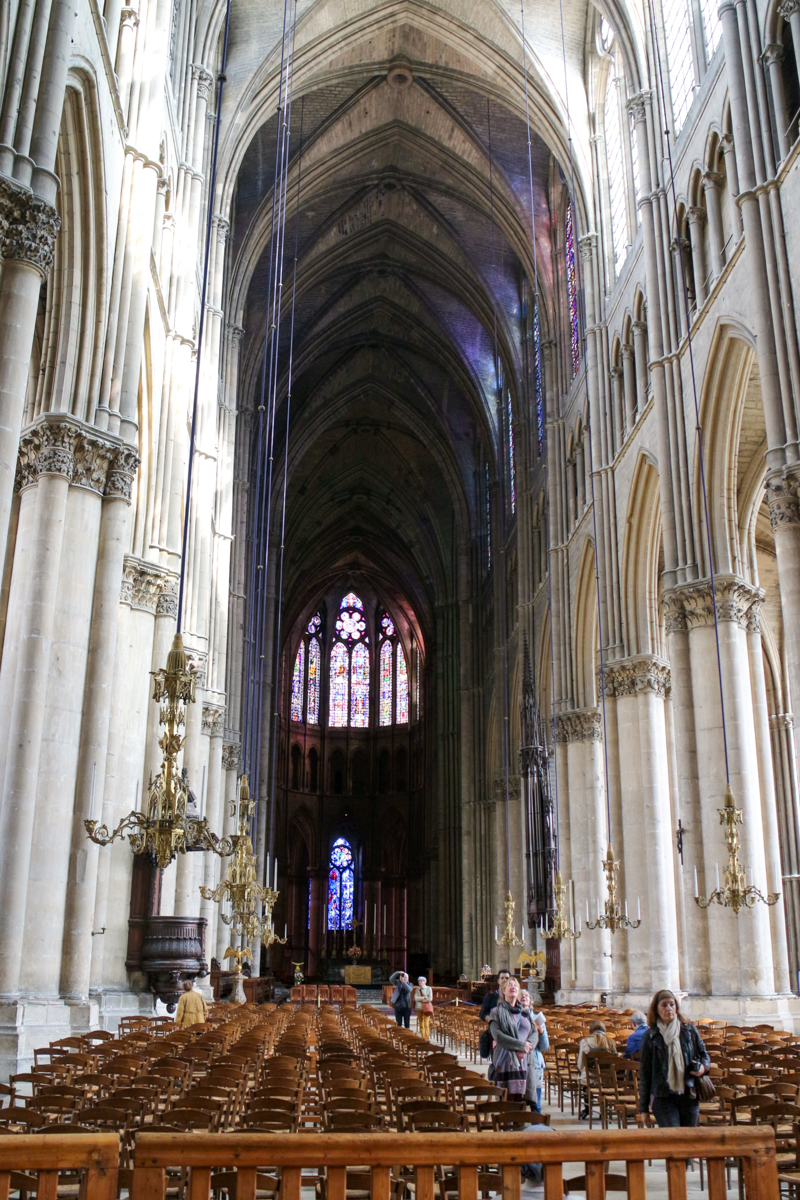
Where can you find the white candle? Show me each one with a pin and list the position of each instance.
(266, 871)
(572, 924)
(587, 910)
(638, 910)
(716, 868)
(696, 889)
(285, 932)
(495, 933)
(626, 910)
(276, 874)
(203, 793)
(522, 930)
(598, 908)
(91, 801)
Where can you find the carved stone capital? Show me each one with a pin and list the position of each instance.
(638, 104)
(235, 333)
(696, 216)
(499, 787)
(213, 723)
(691, 607)
(633, 676)
(204, 80)
(230, 756)
(223, 228)
(141, 584)
(121, 474)
(639, 326)
(615, 372)
(781, 495)
(197, 663)
(587, 246)
(781, 721)
(626, 350)
(28, 226)
(57, 444)
(787, 7)
(129, 17)
(167, 604)
(579, 725)
(712, 181)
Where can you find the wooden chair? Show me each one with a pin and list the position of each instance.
(611, 1183)
(15, 1117)
(434, 1120)
(513, 1122)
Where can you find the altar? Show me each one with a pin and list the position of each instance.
(355, 975)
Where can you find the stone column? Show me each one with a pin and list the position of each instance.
(696, 218)
(640, 358)
(790, 11)
(214, 729)
(716, 240)
(28, 228)
(49, 461)
(580, 476)
(772, 59)
(629, 378)
(77, 947)
(732, 173)
(619, 408)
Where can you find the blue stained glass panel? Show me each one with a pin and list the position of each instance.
(512, 471)
(314, 659)
(537, 341)
(359, 686)
(297, 683)
(351, 600)
(385, 705)
(346, 905)
(341, 855)
(333, 898)
(402, 688)
(338, 690)
(572, 289)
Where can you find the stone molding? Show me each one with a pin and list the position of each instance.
(787, 8)
(197, 663)
(203, 78)
(231, 752)
(28, 226)
(690, 607)
(587, 245)
(637, 105)
(167, 605)
(781, 721)
(640, 674)
(579, 725)
(61, 445)
(213, 723)
(499, 788)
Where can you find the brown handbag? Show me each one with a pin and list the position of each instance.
(427, 1007)
(704, 1086)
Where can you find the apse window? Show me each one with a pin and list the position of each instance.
(349, 667)
(393, 702)
(341, 879)
(305, 676)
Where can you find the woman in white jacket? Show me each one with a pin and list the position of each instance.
(423, 995)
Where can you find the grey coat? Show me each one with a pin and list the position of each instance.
(507, 1041)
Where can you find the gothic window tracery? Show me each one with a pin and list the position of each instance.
(305, 675)
(678, 38)
(341, 880)
(350, 667)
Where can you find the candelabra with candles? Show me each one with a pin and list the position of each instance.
(612, 917)
(166, 829)
(562, 928)
(509, 937)
(736, 893)
(251, 903)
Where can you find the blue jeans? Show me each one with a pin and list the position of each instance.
(673, 1111)
(403, 1017)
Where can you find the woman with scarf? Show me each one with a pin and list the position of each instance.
(514, 1038)
(673, 1057)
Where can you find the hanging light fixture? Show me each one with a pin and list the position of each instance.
(509, 937)
(167, 828)
(735, 893)
(251, 903)
(612, 917)
(562, 928)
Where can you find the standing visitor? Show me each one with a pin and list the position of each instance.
(514, 1036)
(401, 998)
(423, 1003)
(491, 999)
(634, 1042)
(536, 1062)
(673, 1057)
(192, 1008)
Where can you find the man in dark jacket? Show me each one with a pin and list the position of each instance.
(492, 999)
(401, 998)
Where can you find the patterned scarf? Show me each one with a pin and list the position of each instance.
(672, 1040)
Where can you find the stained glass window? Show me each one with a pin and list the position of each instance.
(314, 659)
(678, 36)
(402, 687)
(340, 886)
(512, 471)
(298, 679)
(635, 165)
(359, 686)
(537, 342)
(338, 697)
(385, 706)
(572, 289)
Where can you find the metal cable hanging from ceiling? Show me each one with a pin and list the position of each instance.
(508, 937)
(612, 917)
(561, 928)
(259, 566)
(736, 893)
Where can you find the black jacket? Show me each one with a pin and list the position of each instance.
(655, 1063)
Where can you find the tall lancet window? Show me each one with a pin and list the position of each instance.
(537, 344)
(386, 671)
(572, 289)
(402, 687)
(305, 676)
(678, 36)
(349, 667)
(616, 171)
(341, 878)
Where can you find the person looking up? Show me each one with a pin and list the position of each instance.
(492, 999)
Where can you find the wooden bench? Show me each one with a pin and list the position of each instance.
(468, 1153)
(96, 1155)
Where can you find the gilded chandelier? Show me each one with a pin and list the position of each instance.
(509, 937)
(562, 928)
(612, 917)
(251, 904)
(735, 893)
(166, 829)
